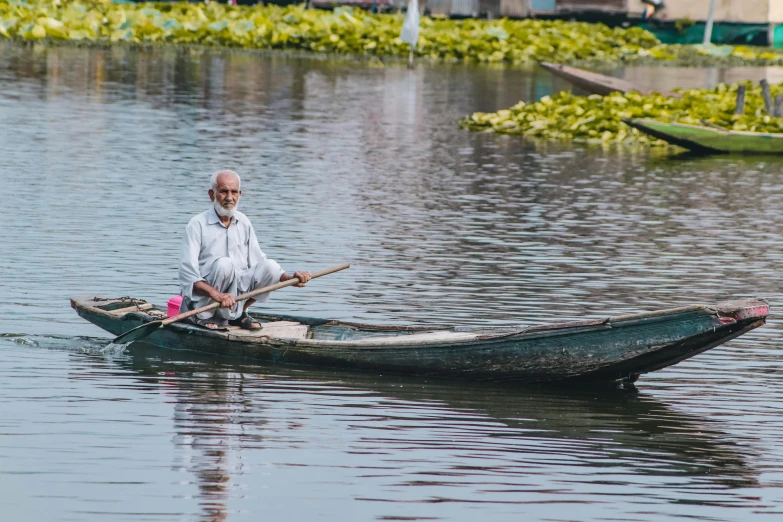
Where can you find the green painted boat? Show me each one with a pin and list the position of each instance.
(614, 349)
(710, 140)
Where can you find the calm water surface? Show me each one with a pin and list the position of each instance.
(104, 156)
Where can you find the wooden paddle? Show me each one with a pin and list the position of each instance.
(147, 328)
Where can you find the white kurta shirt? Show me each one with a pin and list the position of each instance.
(207, 239)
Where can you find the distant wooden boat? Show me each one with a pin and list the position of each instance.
(596, 83)
(710, 140)
(615, 349)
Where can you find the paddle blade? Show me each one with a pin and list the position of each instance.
(137, 333)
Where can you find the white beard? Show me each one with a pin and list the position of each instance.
(226, 212)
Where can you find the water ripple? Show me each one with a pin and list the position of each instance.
(106, 155)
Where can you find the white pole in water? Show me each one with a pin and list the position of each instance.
(708, 26)
(410, 29)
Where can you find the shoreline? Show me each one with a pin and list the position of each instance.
(684, 61)
(352, 34)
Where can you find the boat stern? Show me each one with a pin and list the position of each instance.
(114, 314)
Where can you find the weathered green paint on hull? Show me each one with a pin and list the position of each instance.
(618, 348)
(709, 140)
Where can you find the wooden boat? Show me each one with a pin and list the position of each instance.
(613, 349)
(596, 83)
(710, 140)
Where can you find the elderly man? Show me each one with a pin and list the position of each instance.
(220, 259)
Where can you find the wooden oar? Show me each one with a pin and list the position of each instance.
(147, 328)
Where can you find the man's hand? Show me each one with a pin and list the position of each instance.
(303, 276)
(225, 300)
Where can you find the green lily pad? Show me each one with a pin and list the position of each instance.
(497, 32)
(169, 24)
(218, 26)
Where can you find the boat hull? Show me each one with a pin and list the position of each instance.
(613, 349)
(708, 140)
(596, 83)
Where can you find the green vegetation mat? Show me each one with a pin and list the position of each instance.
(347, 31)
(597, 119)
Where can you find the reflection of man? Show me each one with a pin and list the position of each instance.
(220, 259)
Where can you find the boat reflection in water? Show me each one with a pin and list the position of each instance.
(498, 444)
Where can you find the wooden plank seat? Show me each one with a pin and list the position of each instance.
(277, 329)
(135, 308)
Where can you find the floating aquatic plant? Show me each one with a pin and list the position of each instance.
(342, 31)
(598, 119)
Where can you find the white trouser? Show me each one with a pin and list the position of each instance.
(224, 277)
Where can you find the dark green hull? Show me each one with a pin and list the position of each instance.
(710, 140)
(614, 349)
